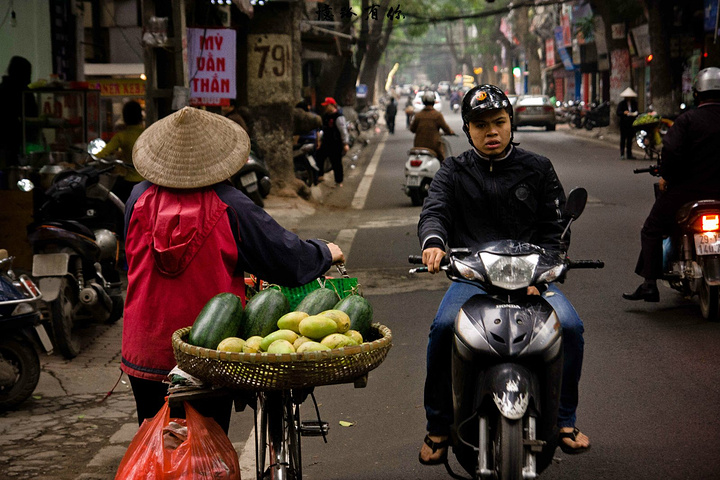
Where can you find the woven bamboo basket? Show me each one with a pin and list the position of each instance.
(271, 371)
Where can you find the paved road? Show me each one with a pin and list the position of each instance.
(71, 428)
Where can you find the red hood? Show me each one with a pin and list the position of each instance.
(178, 222)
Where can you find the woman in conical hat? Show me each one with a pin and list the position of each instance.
(627, 111)
(191, 235)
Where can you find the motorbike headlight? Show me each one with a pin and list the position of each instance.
(552, 274)
(640, 139)
(510, 273)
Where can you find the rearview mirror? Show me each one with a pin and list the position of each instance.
(576, 201)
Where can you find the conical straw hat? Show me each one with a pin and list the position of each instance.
(191, 148)
(628, 92)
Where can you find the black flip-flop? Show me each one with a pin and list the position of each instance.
(435, 446)
(572, 436)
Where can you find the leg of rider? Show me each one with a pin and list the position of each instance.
(573, 346)
(438, 387)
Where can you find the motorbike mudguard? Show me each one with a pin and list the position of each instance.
(511, 386)
(711, 269)
(50, 287)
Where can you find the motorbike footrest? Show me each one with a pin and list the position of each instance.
(535, 446)
(314, 428)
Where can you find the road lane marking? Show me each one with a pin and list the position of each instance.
(362, 191)
(345, 239)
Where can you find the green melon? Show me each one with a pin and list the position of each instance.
(220, 318)
(262, 312)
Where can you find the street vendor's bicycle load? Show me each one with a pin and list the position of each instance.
(276, 350)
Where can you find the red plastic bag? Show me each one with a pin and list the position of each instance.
(206, 453)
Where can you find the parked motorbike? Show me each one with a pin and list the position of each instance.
(369, 117)
(691, 255)
(76, 250)
(597, 116)
(306, 168)
(21, 333)
(507, 355)
(420, 169)
(253, 179)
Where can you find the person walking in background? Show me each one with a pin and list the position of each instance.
(627, 111)
(409, 111)
(19, 74)
(390, 112)
(335, 141)
(123, 142)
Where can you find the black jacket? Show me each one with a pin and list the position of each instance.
(690, 151)
(473, 200)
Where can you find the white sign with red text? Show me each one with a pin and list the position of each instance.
(211, 62)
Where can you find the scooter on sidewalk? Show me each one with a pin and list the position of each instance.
(74, 239)
(597, 116)
(691, 255)
(507, 355)
(253, 179)
(420, 168)
(21, 334)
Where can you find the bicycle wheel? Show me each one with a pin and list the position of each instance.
(278, 440)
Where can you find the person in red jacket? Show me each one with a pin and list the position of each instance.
(191, 235)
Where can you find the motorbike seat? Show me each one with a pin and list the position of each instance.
(422, 151)
(70, 225)
(696, 208)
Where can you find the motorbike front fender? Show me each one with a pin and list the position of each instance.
(512, 386)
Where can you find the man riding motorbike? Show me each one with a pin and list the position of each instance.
(426, 126)
(690, 172)
(493, 191)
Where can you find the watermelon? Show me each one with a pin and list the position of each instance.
(360, 312)
(220, 318)
(318, 301)
(262, 312)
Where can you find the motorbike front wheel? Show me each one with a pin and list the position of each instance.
(709, 301)
(62, 312)
(23, 359)
(509, 453)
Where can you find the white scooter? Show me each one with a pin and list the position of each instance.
(420, 168)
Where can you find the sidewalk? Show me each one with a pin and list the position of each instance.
(70, 429)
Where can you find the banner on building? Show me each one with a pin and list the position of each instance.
(711, 15)
(562, 51)
(211, 54)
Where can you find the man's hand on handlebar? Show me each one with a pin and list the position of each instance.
(432, 258)
(337, 255)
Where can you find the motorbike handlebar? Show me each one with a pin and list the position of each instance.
(586, 264)
(652, 169)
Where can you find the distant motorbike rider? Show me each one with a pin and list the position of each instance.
(426, 126)
(690, 171)
(493, 191)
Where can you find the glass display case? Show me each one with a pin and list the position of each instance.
(60, 123)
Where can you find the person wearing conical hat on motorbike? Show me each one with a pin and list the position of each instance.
(690, 172)
(493, 191)
(191, 235)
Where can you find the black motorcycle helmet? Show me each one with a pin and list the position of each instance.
(481, 99)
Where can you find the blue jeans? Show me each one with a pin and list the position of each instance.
(438, 388)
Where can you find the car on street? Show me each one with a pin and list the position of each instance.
(443, 87)
(535, 111)
(418, 104)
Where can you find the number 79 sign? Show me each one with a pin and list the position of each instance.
(269, 68)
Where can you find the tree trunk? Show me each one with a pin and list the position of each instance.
(377, 42)
(659, 13)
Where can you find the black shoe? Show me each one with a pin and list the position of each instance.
(649, 293)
